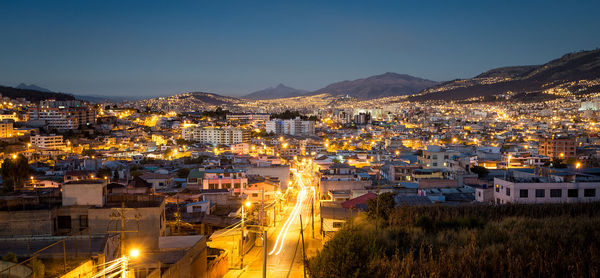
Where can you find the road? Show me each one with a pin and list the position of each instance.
(284, 246)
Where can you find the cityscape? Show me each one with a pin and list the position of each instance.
(135, 140)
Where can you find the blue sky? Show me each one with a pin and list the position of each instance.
(235, 47)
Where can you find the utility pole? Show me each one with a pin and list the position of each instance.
(242, 243)
(312, 212)
(265, 254)
(303, 249)
(121, 216)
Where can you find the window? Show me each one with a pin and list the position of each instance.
(540, 193)
(337, 224)
(507, 191)
(497, 188)
(555, 193)
(572, 193)
(83, 221)
(479, 193)
(589, 192)
(64, 222)
(255, 195)
(524, 193)
(236, 185)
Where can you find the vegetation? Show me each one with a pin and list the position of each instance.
(481, 171)
(292, 115)
(15, 171)
(183, 172)
(556, 240)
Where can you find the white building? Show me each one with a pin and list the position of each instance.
(292, 127)
(47, 142)
(216, 136)
(543, 190)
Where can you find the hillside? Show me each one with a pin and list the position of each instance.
(32, 95)
(577, 73)
(384, 85)
(281, 91)
(189, 102)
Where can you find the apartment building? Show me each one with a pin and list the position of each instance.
(295, 126)
(437, 157)
(557, 147)
(47, 141)
(249, 117)
(216, 136)
(6, 129)
(70, 114)
(234, 180)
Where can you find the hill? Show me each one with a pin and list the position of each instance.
(189, 102)
(281, 91)
(33, 95)
(577, 73)
(384, 85)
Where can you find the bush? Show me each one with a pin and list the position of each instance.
(468, 241)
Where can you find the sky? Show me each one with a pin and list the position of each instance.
(152, 48)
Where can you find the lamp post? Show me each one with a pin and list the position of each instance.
(246, 204)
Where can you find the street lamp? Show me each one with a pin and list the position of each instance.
(134, 253)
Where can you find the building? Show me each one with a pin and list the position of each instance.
(247, 117)
(295, 126)
(6, 129)
(437, 157)
(216, 136)
(234, 180)
(47, 141)
(64, 115)
(543, 190)
(557, 147)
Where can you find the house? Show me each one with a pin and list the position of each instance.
(159, 181)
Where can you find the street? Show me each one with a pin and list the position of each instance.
(284, 248)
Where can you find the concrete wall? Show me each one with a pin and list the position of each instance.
(27, 222)
(150, 224)
(280, 171)
(84, 194)
(327, 185)
(85, 270)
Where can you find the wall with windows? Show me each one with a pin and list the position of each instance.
(545, 192)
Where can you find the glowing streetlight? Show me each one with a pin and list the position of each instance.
(562, 155)
(134, 253)
(578, 165)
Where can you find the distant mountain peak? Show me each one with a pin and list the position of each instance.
(280, 91)
(32, 87)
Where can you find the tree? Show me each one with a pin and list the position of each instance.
(385, 206)
(103, 172)
(481, 171)
(183, 172)
(15, 171)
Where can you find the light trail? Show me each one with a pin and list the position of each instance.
(298, 208)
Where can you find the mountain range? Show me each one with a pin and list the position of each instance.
(383, 85)
(577, 72)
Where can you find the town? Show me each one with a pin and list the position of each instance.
(142, 188)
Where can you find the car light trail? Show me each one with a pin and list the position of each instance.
(298, 207)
